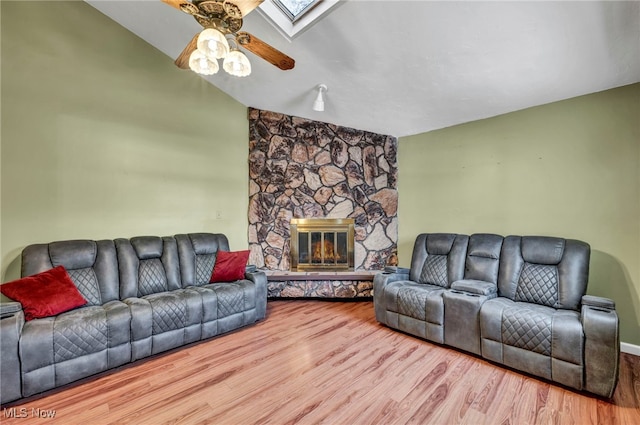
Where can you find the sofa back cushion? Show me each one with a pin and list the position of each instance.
(147, 265)
(197, 254)
(483, 257)
(92, 266)
(438, 258)
(544, 270)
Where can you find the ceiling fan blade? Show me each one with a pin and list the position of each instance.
(174, 3)
(265, 51)
(183, 59)
(183, 5)
(246, 6)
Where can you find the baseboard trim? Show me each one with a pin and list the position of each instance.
(630, 348)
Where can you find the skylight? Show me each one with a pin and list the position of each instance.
(295, 9)
(292, 17)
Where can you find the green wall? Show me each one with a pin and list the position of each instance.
(103, 137)
(568, 169)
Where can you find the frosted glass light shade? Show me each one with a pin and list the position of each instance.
(318, 104)
(237, 64)
(200, 63)
(212, 43)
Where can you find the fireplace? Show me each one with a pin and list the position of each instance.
(322, 244)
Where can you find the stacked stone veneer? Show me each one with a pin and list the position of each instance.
(299, 168)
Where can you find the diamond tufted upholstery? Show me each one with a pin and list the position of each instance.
(520, 301)
(197, 252)
(145, 295)
(57, 350)
(228, 305)
(543, 280)
(164, 314)
(415, 305)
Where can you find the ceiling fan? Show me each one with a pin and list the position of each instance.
(222, 18)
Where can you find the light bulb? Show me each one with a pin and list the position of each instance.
(213, 44)
(237, 64)
(200, 63)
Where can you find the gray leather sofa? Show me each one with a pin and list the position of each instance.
(145, 295)
(517, 300)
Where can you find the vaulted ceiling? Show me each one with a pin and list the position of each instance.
(407, 67)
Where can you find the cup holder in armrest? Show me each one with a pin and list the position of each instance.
(396, 269)
(601, 309)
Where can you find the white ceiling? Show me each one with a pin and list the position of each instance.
(407, 67)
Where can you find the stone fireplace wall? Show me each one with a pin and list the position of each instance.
(299, 168)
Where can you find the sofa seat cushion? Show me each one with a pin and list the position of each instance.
(537, 339)
(417, 300)
(169, 311)
(227, 306)
(79, 333)
(527, 326)
(165, 320)
(61, 349)
(231, 298)
(415, 308)
(237, 303)
(412, 301)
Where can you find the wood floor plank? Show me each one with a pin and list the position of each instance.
(319, 362)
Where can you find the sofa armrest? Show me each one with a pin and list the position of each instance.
(396, 269)
(479, 287)
(602, 345)
(259, 278)
(11, 325)
(380, 280)
(600, 302)
(384, 278)
(8, 307)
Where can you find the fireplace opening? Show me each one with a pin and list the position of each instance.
(322, 244)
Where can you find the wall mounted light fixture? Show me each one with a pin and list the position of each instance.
(318, 104)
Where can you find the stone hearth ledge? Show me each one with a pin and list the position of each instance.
(318, 275)
(315, 284)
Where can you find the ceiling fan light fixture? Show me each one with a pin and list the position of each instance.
(318, 104)
(200, 63)
(237, 64)
(213, 43)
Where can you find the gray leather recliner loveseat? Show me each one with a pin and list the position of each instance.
(145, 295)
(516, 300)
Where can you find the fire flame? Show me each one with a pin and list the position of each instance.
(318, 248)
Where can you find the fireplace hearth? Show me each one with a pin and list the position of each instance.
(322, 244)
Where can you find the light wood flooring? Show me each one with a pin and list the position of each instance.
(318, 362)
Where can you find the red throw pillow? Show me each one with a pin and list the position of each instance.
(44, 294)
(229, 266)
